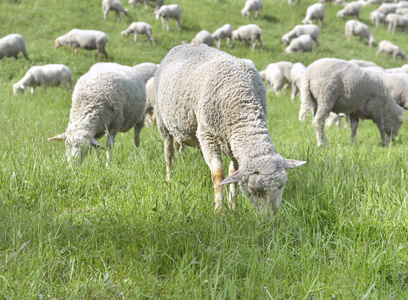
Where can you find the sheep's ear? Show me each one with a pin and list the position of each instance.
(96, 144)
(58, 138)
(234, 177)
(291, 163)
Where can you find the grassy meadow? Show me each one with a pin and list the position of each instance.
(123, 232)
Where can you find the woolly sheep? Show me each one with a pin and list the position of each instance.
(390, 48)
(377, 18)
(273, 77)
(11, 45)
(335, 85)
(250, 32)
(146, 69)
(351, 9)
(150, 117)
(211, 100)
(105, 100)
(202, 37)
(159, 3)
(85, 39)
(396, 20)
(286, 68)
(221, 33)
(314, 12)
(402, 11)
(46, 75)
(387, 8)
(296, 74)
(362, 63)
(298, 30)
(252, 6)
(169, 11)
(142, 28)
(301, 43)
(354, 27)
(114, 5)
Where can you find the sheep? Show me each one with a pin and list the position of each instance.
(301, 43)
(396, 20)
(387, 8)
(377, 18)
(273, 77)
(334, 118)
(150, 117)
(203, 37)
(290, 2)
(159, 3)
(351, 9)
(390, 48)
(286, 68)
(169, 11)
(146, 69)
(336, 85)
(362, 63)
(11, 45)
(354, 27)
(221, 33)
(85, 39)
(298, 30)
(314, 12)
(142, 28)
(296, 74)
(252, 6)
(46, 75)
(106, 100)
(402, 11)
(248, 32)
(211, 100)
(114, 5)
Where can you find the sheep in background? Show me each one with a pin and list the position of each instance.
(334, 118)
(290, 2)
(351, 9)
(146, 69)
(202, 37)
(252, 6)
(402, 69)
(169, 11)
(12, 45)
(211, 100)
(150, 117)
(296, 74)
(159, 3)
(397, 84)
(336, 85)
(114, 5)
(142, 28)
(387, 8)
(221, 33)
(314, 12)
(362, 63)
(250, 32)
(377, 18)
(358, 28)
(105, 100)
(396, 20)
(301, 43)
(402, 11)
(273, 77)
(298, 30)
(390, 48)
(286, 68)
(46, 75)
(84, 39)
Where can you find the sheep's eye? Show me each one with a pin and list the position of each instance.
(256, 173)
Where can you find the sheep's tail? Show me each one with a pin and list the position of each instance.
(307, 100)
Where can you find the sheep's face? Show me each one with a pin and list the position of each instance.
(57, 44)
(126, 12)
(77, 147)
(244, 13)
(285, 39)
(158, 14)
(288, 50)
(18, 88)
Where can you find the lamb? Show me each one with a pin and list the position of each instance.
(390, 48)
(85, 39)
(252, 6)
(330, 84)
(221, 33)
(44, 75)
(169, 11)
(273, 77)
(377, 18)
(351, 9)
(296, 74)
(159, 3)
(11, 45)
(301, 43)
(150, 117)
(250, 32)
(314, 12)
(396, 20)
(114, 5)
(354, 27)
(211, 100)
(142, 28)
(298, 30)
(105, 100)
(146, 69)
(203, 37)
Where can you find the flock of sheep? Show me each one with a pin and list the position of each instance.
(205, 98)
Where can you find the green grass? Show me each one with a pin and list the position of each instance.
(122, 232)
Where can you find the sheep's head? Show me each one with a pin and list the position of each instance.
(285, 39)
(126, 12)
(18, 88)
(158, 14)
(340, 14)
(305, 21)
(235, 35)
(403, 56)
(244, 12)
(57, 44)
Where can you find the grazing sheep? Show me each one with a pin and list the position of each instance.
(298, 30)
(11, 45)
(221, 33)
(114, 5)
(211, 100)
(252, 6)
(314, 12)
(402, 11)
(377, 18)
(358, 28)
(250, 32)
(44, 75)
(150, 117)
(159, 3)
(146, 69)
(142, 28)
(296, 74)
(334, 118)
(301, 43)
(169, 11)
(362, 63)
(273, 77)
(387, 8)
(351, 9)
(336, 85)
(397, 84)
(286, 68)
(105, 100)
(203, 37)
(84, 39)
(390, 48)
(396, 20)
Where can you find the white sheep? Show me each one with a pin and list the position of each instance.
(221, 33)
(106, 100)
(336, 85)
(114, 5)
(298, 30)
(273, 77)
(150, 117)
(402, 11)
(363, 63)
(301, 43)
(146, 69)
(397, 84)
(387, 8)
(390, 48)
(252, 6)
(211, 100)
(202, 37)
(250, 32)
(12, 45)
(377, 18)
(314, 12)
(47, 75)
(140, 28)
(296, 74)
(396, 20)
(159, 3)
(351, 9)
(169, 11)
(354, 27)
(84, 39)
(286, 68)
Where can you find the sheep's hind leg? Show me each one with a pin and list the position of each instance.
(168, 155)
(318, 123)
(353, 125)
(110, 141)
(136, 133)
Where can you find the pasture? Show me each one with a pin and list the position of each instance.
(123, 232)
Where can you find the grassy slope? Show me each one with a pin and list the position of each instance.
(122, 231)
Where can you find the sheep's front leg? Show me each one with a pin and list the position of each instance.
(110, 141)
(117, 16)
(162, 19)
(167, 24)
(232, 197)
(217, 173)
(353, 125)
(32, 90)
(135, 37)
(294, 92)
